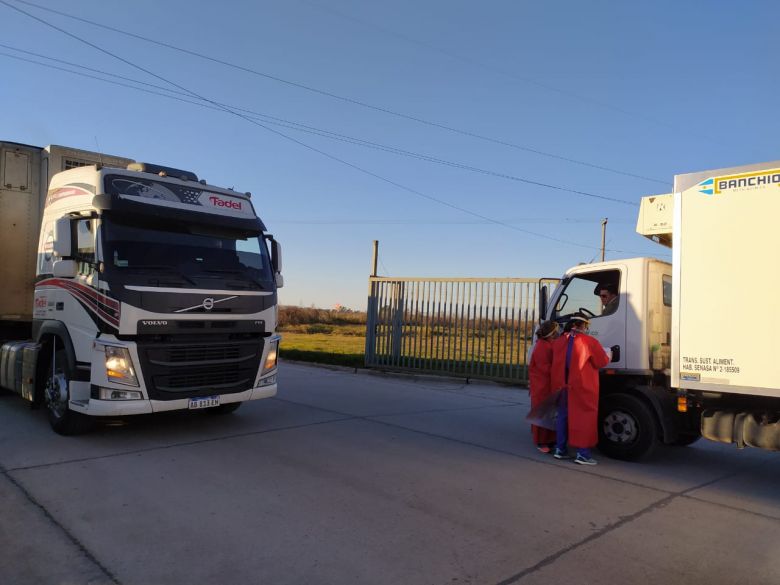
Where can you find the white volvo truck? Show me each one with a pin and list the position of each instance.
(130, 288)
(698, 337)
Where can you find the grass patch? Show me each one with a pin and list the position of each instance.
(324, 348)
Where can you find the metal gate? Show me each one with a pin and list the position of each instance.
(472, 327)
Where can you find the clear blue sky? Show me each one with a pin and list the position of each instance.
(650, 89)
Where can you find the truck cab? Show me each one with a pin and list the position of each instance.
(635, 398)
(150, 290)
(640, 317)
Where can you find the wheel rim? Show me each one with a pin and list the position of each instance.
(620, 427)
(57, 394)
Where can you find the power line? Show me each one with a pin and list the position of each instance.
(499, 70)
(307, 146)
(556, 220)
(344, 98)
(302, 127)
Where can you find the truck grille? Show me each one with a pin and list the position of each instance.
(181, 369)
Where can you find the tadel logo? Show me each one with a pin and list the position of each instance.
(227, 203)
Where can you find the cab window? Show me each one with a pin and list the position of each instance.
(85, 245)
(596, 294)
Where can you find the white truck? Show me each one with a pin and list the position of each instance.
(698, 341)
(130, 288)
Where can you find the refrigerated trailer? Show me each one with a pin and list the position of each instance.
(130, 288)
(698, 335)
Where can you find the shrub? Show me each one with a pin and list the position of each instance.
(319, 328)
(289, 315)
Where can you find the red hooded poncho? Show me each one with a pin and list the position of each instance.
(586, 359)
(539, 385)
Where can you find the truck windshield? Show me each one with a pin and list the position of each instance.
(196, 254)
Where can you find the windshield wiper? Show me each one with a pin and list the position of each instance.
(147, 267)
(240, 272)
(175, 272)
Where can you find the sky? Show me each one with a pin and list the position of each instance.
(470, 139)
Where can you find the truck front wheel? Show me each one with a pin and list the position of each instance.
(56, 394)
(627, 428)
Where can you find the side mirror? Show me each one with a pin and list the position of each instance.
(543, 300)
(279, 279)
(62, 237)
(64, 268)
(276, 255)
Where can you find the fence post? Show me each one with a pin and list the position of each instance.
(397, 324)
(371, 310)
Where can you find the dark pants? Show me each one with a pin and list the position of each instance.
(562, 425)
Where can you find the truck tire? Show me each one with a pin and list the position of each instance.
(62, 419)
(627, 427)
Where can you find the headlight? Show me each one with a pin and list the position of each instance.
(273, 353)
(119, 366)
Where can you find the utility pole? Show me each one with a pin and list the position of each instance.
(375, 258)
(603, 236)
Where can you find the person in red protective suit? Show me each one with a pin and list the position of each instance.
(539, 383)
(577, 358)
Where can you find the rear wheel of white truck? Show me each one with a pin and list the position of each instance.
(56, 394)
(627, 427)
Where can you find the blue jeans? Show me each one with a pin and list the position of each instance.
(562, 426)
(562, 422)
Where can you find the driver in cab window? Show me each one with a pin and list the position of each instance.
(609, 299)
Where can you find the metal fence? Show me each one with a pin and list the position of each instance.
(472, 327)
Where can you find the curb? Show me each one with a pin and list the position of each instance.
(406, 375)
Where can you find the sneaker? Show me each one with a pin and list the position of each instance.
(543, 448)
(561, 454)
(582, 460)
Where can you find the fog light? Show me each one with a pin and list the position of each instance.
(119, 365)
(112, 394)
(268, 381)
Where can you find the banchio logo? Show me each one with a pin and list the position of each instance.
(227, 203)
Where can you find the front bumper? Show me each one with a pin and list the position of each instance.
(94, 407)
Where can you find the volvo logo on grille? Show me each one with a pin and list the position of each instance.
(207, 304)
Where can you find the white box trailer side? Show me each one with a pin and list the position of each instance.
(724, 328)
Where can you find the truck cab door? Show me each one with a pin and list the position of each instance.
(579, 293)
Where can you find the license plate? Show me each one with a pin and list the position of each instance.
(204, 402)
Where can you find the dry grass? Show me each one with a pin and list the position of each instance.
(470, 346)
(289, 315)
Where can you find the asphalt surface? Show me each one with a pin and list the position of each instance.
(359, 478)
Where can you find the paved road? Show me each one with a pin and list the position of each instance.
(357, 478)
